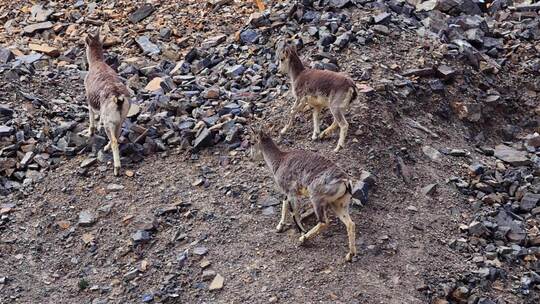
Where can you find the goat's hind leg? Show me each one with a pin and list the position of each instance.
(108, 131)
(92, 121)
(113, 134)
(293, 205)
(343, 126)
(341, 207)
(328, 131)
(319, 207)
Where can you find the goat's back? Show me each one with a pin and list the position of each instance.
(321, 83)
(102, 83)
(301, 169)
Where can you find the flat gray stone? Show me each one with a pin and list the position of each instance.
(429, 189)
(147, 46)
(529, 201)
(27, 158)
(86, 218)
(208, 275)
(432, 153)
(31, 28)
(6, 130)
(88, 162)
(141, 13)
(5, 55)
(268, 210)
(381, 29)
(29, 59)
(512, 156)
(39, 14)
(114, 187)
(201, 250)
(214, 41)
(141, 236)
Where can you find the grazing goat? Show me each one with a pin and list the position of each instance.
(106, 95)
(303, 173)
(318, 89)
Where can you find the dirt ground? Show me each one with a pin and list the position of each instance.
(401, 252)
(213, 200)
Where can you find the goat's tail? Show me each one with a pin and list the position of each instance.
(119, 101)
(354, 93)
(349, 186)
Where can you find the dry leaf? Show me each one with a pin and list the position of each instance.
(144, 265)
(87, 238)
(260, 5)
(63, 224)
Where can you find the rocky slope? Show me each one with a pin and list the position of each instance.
(445, 123)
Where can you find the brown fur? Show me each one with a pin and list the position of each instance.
(318, 89)
(106, 95)
(300, 172)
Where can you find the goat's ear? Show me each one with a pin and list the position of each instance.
(293, 49)
(290, 49)
(88, 39)
(251, 132)
(261, 134)
(97, 34)
(99, 37)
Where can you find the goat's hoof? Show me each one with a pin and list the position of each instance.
(116, 171)
(280, 228)
(302, 239)
(315, 137)
(349, 256)
(336, 150)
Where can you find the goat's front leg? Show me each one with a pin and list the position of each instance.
(107, 147)
(116, 147)
(313, 232)
(295, 108)
(343, 127)
(284, 216)
(326, 132)
(316, 123)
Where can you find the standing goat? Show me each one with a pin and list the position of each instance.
(106, 95)
(303, 173)
(319, 89)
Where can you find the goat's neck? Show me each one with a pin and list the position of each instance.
(295, 67)
(272, 155)
(94, 55)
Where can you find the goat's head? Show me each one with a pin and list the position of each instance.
(258, 137)
(284, 57)
(93, 42)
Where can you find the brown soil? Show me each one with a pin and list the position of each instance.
(401, 253)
